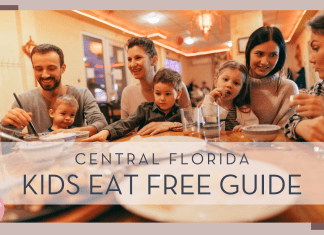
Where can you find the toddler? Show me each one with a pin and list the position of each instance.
(62, 111)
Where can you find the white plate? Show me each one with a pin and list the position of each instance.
(161, 146)
(217, 207)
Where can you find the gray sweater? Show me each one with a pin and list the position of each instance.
(269, 105)
(87, 114)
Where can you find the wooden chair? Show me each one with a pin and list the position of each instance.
(107, 111)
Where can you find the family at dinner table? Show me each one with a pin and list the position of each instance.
(254, 93)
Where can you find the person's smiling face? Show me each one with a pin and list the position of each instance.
(140, 63)
(263, 59)
(47, 70)
(317, 56)
(165, 96)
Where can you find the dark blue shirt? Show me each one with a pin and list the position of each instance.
(146, 113)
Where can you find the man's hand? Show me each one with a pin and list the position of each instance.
(17, 117)
(309, 105)
(101, 136)
(311, 130)
(155, 128)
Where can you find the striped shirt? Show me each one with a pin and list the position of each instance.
(231, 116)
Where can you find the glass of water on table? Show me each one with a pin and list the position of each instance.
(191, 119)
(211, 122)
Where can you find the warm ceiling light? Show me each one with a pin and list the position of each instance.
(157, 35)
(155, 42)
(153, 19)
(205, 21)
(229, 43)
(189, 40)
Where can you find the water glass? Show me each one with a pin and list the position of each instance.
(210, 122)
(190, 118)
(5, 143)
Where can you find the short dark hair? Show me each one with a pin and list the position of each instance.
(243, 98)
(266, 34)
(66, 99)
(169, 76)
(146, 43)
(45, 48)
(317, 24)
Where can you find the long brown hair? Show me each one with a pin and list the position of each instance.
(266, 34)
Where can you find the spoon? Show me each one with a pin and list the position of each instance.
(4, 135)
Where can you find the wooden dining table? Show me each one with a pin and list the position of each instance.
(117, 213)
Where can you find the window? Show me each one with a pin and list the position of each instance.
(173, 64)
(104, 62)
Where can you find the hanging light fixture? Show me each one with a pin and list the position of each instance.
(205, 21)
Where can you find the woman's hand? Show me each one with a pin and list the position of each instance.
(238, 128)
(101, 136)
(311, 130)
(309, 105)
(217, 93)
(156, 127)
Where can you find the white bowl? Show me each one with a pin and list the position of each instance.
(261, 133)
(33, 137)
(68, 138)
(80, 135)
(38, 151)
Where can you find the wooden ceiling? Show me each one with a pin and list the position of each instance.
(176, 23)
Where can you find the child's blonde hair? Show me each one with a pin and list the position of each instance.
(66, 99)
(242, 100)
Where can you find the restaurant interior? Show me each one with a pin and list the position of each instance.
(194, 43)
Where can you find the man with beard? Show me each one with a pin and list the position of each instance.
(48, 65)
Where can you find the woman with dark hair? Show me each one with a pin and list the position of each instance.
(265, 56)
(308, 123)
(142, 57)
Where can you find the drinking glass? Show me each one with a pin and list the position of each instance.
(190, 118)
(210, 122)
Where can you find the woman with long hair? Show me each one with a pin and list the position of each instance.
(265, 56)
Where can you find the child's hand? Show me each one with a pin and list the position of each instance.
(309, 105)
(155, 128)
(101, 136)
(176, 124)
(217, 93)
(238, 128)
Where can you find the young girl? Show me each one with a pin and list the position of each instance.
(232, 93)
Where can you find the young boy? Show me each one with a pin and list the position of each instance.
(166, 90)
(62, 111)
